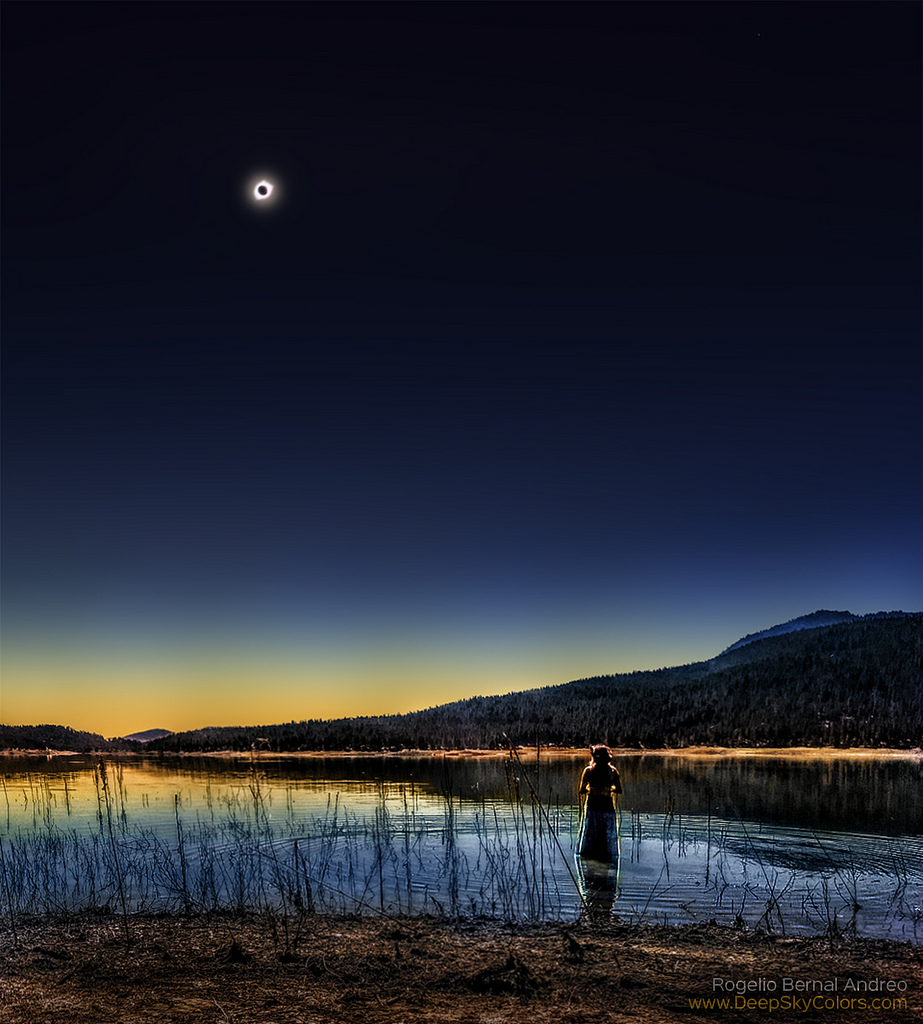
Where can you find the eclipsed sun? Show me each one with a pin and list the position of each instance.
(263, 190)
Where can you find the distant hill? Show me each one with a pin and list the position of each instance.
(855, 681)
(148, 735)
(812, 621)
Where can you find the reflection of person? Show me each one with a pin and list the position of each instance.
(599, 833)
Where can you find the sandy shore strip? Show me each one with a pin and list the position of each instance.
(526, 753)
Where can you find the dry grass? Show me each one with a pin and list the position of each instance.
(232, 969)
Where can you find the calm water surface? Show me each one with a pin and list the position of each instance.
(790, 845)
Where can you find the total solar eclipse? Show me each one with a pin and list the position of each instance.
(262, 190)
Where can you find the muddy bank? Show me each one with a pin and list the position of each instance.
(260, 970)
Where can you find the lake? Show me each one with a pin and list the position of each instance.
(815, 844)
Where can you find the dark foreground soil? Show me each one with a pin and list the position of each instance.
(192, 970)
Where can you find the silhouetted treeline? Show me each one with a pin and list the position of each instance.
(855, 684)
(58, 737)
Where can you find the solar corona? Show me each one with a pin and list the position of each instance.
(262, 190)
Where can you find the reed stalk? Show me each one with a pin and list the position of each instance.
(115, 854)
(9, 897)
(181, 850)
(583, 898)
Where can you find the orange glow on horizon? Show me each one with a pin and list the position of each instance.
(116, 694)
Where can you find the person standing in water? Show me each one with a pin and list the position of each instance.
(599, 832)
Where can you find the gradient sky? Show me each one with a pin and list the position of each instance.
(577, 339)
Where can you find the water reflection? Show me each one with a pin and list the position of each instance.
(882, 795)
(776, 843)
(599, 885)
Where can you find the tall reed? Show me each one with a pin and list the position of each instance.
(104, 782)
(9, 898)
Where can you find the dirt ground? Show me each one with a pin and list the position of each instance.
(81, 971)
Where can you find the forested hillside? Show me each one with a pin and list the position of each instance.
(58, 737)
(858, 683)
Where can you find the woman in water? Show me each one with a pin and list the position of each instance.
(599, 832)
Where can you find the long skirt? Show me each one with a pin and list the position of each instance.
(599, 831)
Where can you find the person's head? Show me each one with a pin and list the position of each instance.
(600, 754)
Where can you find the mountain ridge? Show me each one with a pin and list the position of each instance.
(814, 620)
(148, 735)
(853, 681)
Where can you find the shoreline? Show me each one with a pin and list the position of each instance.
(267, 968)
(525, 752)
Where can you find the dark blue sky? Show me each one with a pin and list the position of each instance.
(579, 338)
